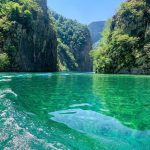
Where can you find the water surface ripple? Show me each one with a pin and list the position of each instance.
(74, 111)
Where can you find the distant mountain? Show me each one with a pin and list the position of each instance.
(95, 29)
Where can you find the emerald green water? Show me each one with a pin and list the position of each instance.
(76, 111)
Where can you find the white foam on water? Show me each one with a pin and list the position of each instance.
(16, 130)
(2, 95)
(7, 91)
(7, 76)
(5, 80)
(80, 105)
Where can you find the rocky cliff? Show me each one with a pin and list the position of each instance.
(96, 29)
(74, 44)
(126, 46)
(27, 37)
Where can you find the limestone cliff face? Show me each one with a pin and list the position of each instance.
(82, 56)
(37, 50)
(31, 42)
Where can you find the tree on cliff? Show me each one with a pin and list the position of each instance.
(126, 45)
(27, 36)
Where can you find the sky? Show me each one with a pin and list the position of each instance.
(85, 11)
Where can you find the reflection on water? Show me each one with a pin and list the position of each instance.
(74, 111)
(127, 98)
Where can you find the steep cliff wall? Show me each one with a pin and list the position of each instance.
(126, 46)
(134, 20)
(27, 36)
(74, 44)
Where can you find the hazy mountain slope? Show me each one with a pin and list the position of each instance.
(95, 29)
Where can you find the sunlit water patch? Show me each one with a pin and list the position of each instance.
(84, 111)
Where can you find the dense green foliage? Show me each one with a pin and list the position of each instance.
(27, 35)
(66, 59)
(74, 39)
(126, 43)
(28, 38)
(12, 13)
(4, 61)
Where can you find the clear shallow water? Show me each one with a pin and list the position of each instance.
(74, 111)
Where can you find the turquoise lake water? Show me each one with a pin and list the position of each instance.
(76, 111)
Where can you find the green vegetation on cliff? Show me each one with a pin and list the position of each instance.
(28, 40)
(27, 37)
(125, 47)
(74, 44)
(4, 61)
